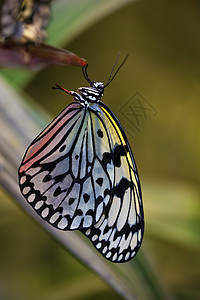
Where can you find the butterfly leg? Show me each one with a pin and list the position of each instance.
(58, 87)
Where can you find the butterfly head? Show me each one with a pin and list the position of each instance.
(92, 93)
(96, 89)
(99, 86)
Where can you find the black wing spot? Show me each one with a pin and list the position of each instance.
(48, 177)
(90, 212)
(62, 148)
(118, 151)
(106, 192)
(79, 212)
(120, 189)
(60, 177)
(71, 201)
(57, 192)
(99, 181)
(100, 133)
(99, 199)
(77, 156)
(86, 197)
(106, 159)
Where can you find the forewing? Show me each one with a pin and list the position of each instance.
(119, 232)
(62, 174)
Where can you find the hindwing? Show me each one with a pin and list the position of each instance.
(119, 232)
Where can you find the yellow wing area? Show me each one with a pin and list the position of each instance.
(119, 132)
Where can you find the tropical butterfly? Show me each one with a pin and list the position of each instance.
(80, 174)
(22, 31)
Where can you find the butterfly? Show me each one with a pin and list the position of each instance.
(80, 174)
(22, 31)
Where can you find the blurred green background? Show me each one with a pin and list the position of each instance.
(163, 72)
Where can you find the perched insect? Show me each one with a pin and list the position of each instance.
(79, 173)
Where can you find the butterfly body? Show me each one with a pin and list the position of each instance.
(80, 174)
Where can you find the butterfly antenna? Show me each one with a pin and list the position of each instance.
(110, 79)
(118, 54)
(85, 74)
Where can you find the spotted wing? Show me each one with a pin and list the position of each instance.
(119, 232)
(65, 174)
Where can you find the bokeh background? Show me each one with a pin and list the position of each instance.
(156, 96)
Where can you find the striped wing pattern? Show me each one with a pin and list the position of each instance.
(79, 173)
(119, 232)
(59, 175)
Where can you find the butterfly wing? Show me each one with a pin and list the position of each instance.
(79, 173)
(119, 232)
(62, 174)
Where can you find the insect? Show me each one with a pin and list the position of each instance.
(80, 174)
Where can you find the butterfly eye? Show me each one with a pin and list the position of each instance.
(98, 85)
